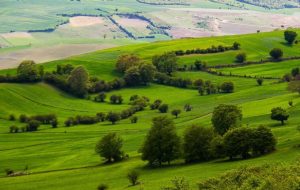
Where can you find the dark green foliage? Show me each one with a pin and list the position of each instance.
(279, 114)
(64, 69)
(116, 99)
(241, 57)
(238, 142)
(113, 117)
(78, 80)
(236, 45)
(196, 144)
(44, 119)
(267, 177)
(295, 71)
(133, 177)
(187, 107)
(28, 71)
(176, 112)
(132, 76)
(110, 147)
(290, 36)
(134, 119)
(276, 53)
(217, 147)
(162, 144)
(225, 117)
(100, 97)
(147, 72)
(54, 123)
(163, 108)
(32, 125)
(23, 118)
(155, 104)
(263, 141)
(165, 63)
(198, 83)
(102, 187)
(101, 116)
(13, 129)
(12, 117)
(199, 65)
(260, 81)
(227, 87)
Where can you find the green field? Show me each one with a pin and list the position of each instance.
(64, 158)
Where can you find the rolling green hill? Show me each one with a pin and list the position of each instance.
(64, 158)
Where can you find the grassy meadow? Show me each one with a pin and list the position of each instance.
(64, 157)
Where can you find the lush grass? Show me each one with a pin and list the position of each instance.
(64, 158)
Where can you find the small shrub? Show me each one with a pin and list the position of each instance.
(12, 117)
(241, 57)
(163, 108)
(178, 184)
(176, 112)
(102, 187)
(133, 177)
(134, 119)
(9, 172)
(188, 107)
(23, 118)
(291, 103)
(260, 81)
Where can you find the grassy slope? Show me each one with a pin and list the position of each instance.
(73, 148)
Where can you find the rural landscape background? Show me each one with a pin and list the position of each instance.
(193, 93)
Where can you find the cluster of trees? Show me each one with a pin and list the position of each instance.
(27, 71)
(97, 85)
(197, 66)
(226, 139)
(32, 123)
(207, 87)
(212, 49)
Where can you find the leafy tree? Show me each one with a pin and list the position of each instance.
(187, 107)
(147, 72)
(225, 117)
(101, 116)
(196, 144)
(176, 112)
(227, 87)
(238, 142)
(276, 53)
(162, 144)
(28, 71)
(54, 123)
(110, 147)
(290, 36)
(260, 81)
(134, 119)
(294, 86)
(263, 140)
(133, 177)
(241, 57)
(113, 117)
(12, 117)
(198, 83)
(133, 76)
(199, 65)
(127, 61)
(78, 80)
(279, 114)
(166, 63)
(163, 108)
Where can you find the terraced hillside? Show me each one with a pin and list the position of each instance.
(64, 157)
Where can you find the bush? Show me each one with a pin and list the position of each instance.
(102, 187)
(44, 119)
(101, 116)
(227, 87)
(260, 81)
(178, 184)
(113, 117)
(13, 129)
(28, 71)
(54, 123)
(197, 143)
(187, 107)
(155, 104)
(133, 177)
(276, 53)
(127, 61)
(217, 147)
(86, 120)
(12, 117)
(163, 108)
(165, 63)
(100, 97)
(110, 147)
(241, 57)
(290, 36)
(134, 119)
(23, 118)
(32, 125)
(176, 112)
(116, 99)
